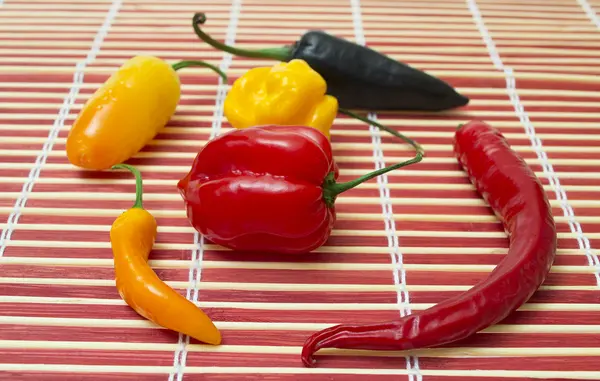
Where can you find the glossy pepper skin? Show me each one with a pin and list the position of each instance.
(517, 197)
(359, 77)
(287, 95)
(267, 188)
(362, 78)
(261, 189)
(126, 112)
(132, 237)
(284, 94)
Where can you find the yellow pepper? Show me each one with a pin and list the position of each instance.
(285, 94)
(126, 112)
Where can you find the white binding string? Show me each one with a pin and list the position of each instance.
(399, 273)
(224, 66)
(195, 273)
(192, 291)
(589, 11)
(59, 123)
(561, 195)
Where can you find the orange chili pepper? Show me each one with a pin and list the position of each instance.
(132, 237)
(126, 112)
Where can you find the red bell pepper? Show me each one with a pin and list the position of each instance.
(267, 188)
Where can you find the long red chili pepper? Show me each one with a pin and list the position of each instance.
(517, 197)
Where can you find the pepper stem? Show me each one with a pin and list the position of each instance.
(138, 183)
(331, 189)
(279, 54)
(183, 64)
(416, 145)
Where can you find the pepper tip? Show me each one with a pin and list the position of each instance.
(463, 100)
(307, 358)
(312, 344)
(216, 340)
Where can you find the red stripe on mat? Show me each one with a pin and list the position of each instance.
(414, 277)
(244, 314)
(272, 337)
(97, 376)
(87, 357)
(94, 376)
(85, 334)
(207, 359)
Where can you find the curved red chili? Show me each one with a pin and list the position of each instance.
(518, 199)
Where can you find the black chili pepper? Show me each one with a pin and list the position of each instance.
(359, 77)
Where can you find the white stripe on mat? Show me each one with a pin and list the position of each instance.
(59, 123)
(195, 274)
(589, 11)
(277, 372)
(536, 143)
(194, 277)
(399, 272)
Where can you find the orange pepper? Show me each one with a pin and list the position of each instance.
(125, 113)
(132, 237)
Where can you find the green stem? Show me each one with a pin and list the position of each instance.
(331, 189)
(138, 183)
(184, 64)
(279, 54)
(416, 145)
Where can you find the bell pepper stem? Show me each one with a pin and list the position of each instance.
(279, 54)
(138, 183)
(183, 64)
(331, 189)
(416, 145)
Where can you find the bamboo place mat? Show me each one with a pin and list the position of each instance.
(529, 66)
